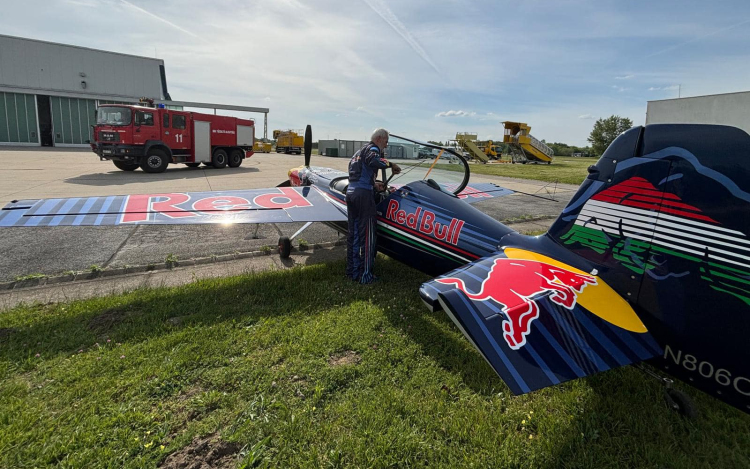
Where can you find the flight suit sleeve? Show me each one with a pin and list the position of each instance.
(375, 161)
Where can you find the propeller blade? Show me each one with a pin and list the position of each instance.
(308, 144)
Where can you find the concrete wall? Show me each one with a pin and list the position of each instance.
(726, 109)
(38, 67)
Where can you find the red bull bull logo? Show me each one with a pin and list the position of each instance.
(515, 284)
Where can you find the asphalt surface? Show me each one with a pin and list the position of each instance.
(26, 174)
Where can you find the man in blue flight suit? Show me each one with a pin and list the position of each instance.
(360, 205)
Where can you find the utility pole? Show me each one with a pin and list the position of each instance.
(679, 90)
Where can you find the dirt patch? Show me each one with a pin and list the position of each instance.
(5, 332)
(204, 453)
(189, 393)
(350, 357)
(177, 320)
(105, 321)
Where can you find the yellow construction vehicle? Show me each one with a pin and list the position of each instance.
(467, 141)
(526, 147)
(289, 141)
(262, 146)
(490, 149)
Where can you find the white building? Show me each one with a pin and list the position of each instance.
(727, 109)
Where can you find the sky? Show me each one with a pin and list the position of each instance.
(420, 68)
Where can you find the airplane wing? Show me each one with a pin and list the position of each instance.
(276, 205)
(473, 193)
(539, 322)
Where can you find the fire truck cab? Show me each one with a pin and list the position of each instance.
(151, 138)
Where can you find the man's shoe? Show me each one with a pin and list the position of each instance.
(371, 280)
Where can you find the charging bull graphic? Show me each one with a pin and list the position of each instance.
(528, 279)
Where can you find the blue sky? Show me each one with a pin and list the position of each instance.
(420, 68)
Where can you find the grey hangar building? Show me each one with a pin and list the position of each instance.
(49, 92)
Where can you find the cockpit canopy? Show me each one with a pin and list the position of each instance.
(425, 161)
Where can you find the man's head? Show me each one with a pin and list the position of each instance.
(380, 138)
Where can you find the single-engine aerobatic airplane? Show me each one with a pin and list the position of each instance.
(649, 261)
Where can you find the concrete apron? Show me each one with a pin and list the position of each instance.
(112, 282)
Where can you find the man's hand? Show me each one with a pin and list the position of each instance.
(395, 168)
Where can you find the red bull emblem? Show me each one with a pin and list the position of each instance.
(516, 283)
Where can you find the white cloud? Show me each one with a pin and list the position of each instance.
(586, 116)
(620, 89)
(624, 77)
(379, 7)
(664, 88)
(458, 113)
(698, 38)
(179, 28)
(490, 116)
(267, 98)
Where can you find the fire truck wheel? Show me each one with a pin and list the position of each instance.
(235, 158)
(125, 166)
(219, 159)
(285, 247)
(192, 165)
(155, 162)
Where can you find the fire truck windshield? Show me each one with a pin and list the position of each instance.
(111, 115)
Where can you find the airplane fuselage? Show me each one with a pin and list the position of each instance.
(418, 223)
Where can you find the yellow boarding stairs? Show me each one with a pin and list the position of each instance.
(529, 148)
(467, 142)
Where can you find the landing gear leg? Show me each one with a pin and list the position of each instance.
(676, 399)
(285, 243)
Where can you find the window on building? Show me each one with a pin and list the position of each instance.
(178, 122)
(165, 121)
(144, 118)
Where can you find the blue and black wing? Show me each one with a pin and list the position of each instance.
(276, 205)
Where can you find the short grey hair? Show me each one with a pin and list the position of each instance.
(379, 134)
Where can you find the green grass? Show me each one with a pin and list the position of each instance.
(567, 170)
(248, 359)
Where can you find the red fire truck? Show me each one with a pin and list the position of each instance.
(150, 138)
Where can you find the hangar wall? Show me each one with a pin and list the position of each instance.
(49, 92)
(726, 109)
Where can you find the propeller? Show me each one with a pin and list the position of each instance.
(308, 144)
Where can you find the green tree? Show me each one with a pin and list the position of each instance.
(605, 131)
(561, 149)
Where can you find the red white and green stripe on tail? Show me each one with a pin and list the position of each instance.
(651, 220)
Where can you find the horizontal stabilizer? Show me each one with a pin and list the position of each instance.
(276, 205)
(478, 192)
(540, 323)
(473, 193)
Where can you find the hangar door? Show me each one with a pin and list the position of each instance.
(72, 119)
(18, 118)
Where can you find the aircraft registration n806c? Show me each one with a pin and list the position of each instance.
(650, 261)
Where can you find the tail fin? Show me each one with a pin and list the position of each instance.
(664, 217)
